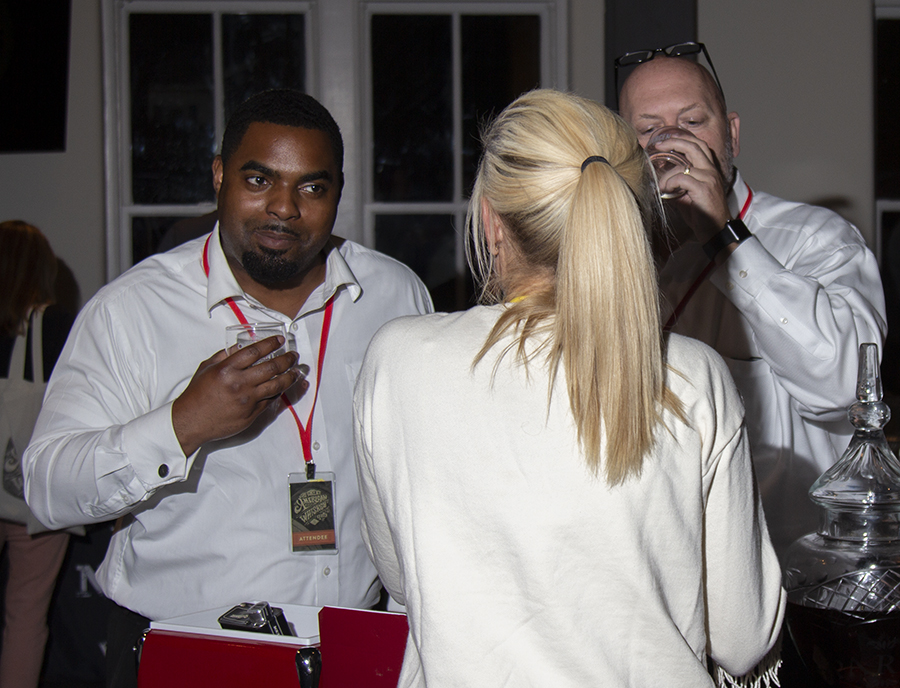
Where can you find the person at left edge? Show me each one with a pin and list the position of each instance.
(146, 416)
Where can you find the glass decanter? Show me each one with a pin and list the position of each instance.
(843, 582)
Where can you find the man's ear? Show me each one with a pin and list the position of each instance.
(734, 130)
(217, 170)
(493, 227)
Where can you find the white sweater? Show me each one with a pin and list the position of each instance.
(516, 565)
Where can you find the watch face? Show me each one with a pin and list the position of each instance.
(734, 232)
(738, 231)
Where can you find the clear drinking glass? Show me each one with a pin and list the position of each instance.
(666, 163)
(239, 336)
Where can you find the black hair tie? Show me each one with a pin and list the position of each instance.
(593, 158)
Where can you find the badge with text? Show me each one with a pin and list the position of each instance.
(313, 514)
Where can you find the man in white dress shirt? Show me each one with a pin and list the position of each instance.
(785, 292)
(148, 419)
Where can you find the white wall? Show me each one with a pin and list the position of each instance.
(586, 54)
(799, 73)
(62, 193)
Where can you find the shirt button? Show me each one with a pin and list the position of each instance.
(163, 470)
(743, 273)
(729, 286)
(294, 327)
(327, 571)
(784, 321)
(315, 445)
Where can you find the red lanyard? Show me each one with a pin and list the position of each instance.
(305, 432)
(702, 276)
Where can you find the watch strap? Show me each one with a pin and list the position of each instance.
(734, 232)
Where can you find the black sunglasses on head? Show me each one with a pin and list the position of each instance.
(676, 50)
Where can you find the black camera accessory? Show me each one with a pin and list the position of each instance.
(309, 666)
(256, 617)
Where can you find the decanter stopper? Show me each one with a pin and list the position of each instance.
(866, 479)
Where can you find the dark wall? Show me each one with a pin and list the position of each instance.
(645, 24)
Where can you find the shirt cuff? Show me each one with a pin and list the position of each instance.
(153, 449)
(744, 276)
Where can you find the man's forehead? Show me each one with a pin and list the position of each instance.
(265, 133)
(663, 108)
(269, 140)
(665, 82)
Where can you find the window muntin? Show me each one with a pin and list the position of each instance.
(435, 79)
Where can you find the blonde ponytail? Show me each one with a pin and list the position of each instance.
(587, 228)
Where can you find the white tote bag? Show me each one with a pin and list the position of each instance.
(20, 404)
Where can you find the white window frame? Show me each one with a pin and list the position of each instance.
(553, 74)
(338, 74)
(120, 206)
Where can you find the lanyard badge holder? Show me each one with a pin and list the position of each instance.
(313, 520)
(312, 496)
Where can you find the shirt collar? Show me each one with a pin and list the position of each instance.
(222, 283)
(737, 197)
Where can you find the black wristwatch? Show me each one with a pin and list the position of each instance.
(735, 232)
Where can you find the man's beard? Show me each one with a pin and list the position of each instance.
(726, 166)
(270, 268)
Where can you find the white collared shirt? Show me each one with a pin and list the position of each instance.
(211, 529)
(787, 311)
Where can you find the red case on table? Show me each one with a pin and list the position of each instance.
(360, 649)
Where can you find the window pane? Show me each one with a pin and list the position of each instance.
(890, 277)
(173, 127)
(511, 45)
(34, 75)
(262, 51)
(146, 234)
(887, 104)
(427, 244)
(411, 104)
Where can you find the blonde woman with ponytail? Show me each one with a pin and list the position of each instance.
(558, 495)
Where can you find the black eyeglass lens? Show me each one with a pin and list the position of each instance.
(683, 49)
(629, 59)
